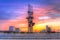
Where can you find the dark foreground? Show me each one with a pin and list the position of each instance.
(30, 36)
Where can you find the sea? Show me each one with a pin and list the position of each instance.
(29, 36)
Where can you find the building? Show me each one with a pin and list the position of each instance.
(43, 31)
(17, 30)
(48, 29)
(11, 28)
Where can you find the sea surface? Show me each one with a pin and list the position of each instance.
(30, 36)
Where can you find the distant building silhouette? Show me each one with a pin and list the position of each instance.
(43, 31)
(48, 29)
(17, 30)
(11, 28)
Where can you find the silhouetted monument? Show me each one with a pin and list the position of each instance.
(30, 18)
(48, 29)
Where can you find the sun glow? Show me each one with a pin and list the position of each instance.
(55, 26)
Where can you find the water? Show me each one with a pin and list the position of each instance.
(30, 36)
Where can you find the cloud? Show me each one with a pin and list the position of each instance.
(5, 15)
(55, 4)
(54, 15)
(44, 17)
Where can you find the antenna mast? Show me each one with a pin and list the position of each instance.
(30, 19)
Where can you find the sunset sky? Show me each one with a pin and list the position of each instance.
(14, 13)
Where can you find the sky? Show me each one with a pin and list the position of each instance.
(14, 13)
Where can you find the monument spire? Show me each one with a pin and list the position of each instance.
(30, 18)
